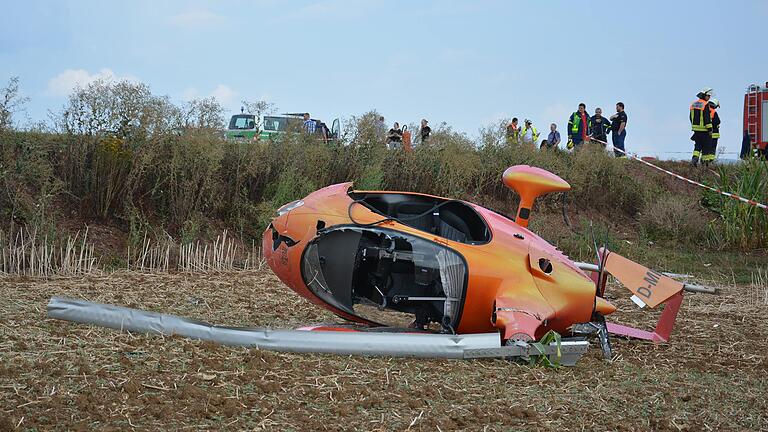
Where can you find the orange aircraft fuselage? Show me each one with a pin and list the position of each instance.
(514, 281)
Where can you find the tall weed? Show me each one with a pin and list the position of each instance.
(742, 226)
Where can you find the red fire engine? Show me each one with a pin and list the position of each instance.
(756, 115)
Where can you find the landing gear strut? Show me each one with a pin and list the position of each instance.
(598, 327)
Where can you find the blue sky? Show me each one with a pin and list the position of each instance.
(465, 63)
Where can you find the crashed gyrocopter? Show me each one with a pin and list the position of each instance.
(420, 275)
(453, 267)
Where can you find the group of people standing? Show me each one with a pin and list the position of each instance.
(526, 134)
(582, 128)
(317, 128)
(400, 137)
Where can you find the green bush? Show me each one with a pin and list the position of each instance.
(741, 225)
(29, 184)
(578, 240)
(183, 176)
(180, 181)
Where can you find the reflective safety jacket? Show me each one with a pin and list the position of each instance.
(513, 132)
(701, 119)
(576, 128)
(534, 133)
(715, 122)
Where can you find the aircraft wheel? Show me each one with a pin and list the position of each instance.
(518, 337)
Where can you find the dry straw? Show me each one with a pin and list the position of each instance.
(151, 257)
(218, 256)
(759, 287)
(223, 254)
(26, 254)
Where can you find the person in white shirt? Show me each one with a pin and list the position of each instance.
(529, 134)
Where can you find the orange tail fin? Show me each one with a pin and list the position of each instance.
(650, 287)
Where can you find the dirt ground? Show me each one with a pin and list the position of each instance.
(57, 375)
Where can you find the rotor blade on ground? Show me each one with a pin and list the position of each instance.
(467, 346)
(348, 343)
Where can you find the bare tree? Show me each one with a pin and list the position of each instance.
(259, 109)
(124, 108)
(368, 130)
(10, 103)
(204, 113)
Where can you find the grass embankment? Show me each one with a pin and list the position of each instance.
(193, 185)
(134, 166)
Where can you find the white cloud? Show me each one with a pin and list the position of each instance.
(223, 94)
(197, 20)
(63, 83)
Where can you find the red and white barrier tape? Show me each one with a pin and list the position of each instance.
(713, 189)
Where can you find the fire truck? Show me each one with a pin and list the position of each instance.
(756, 115)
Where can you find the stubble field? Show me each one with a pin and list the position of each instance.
(56, 375)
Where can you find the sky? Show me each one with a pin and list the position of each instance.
(465, 63)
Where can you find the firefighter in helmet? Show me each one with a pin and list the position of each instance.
(708, 154)
(701, 125)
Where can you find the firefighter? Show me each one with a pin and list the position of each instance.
(708, 153)
(701, 124)
(529, 134)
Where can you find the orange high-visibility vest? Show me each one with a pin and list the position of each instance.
(700, 118)
(407, 139)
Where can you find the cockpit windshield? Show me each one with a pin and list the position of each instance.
(367, 270)
(450, 219)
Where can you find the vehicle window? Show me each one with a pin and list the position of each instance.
(243, 121)
(295, 124)
(275, 124)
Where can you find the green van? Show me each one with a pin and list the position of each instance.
(245, 127)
